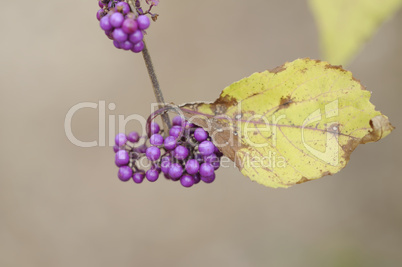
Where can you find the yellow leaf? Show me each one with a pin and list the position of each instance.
(345, 25)
(293, 124)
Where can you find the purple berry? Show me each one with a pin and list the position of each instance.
(122, 158)
(218, 152)
(153, 153)
(208, 179)
(116, 20)
(181, 152)
(136, 37)
(155, 128)
(175, 131)
(119, 35)
(125, 7)
(192, 166)
(100, 14)
(138, 47)
(170, 143)
(125, 173)
(189, 125)
(141, 149)
(120, 139)
(133, 137)
(213, 160)
(199, 158)
(177, 120)
(126, 45)
(143, 22)
(197, 178)
(105, 24)
(156, 140)
(116, 44)
(165, 165)
(175, 171)
(109, 34)
(152, 175)
(200, 135)
(101, 5)
(116, 148)
(206, 169)
(138, 177)
(206, 148)
(129, 26)
(187, 180)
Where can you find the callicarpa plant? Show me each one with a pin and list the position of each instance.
(295, 123)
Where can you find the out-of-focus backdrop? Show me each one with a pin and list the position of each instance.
(61, 205)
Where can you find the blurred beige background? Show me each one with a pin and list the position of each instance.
(61, 205)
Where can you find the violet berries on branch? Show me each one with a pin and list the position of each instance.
(124, 26)
(186, 154)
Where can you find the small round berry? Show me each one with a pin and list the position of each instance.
(121, 158)
(175, 131)
(129, 26)
(218, 152)
(176, 170)
(197, 178)
(213, 160)
(199, 158)
(119, 35)
(187, 180)
(177, 120)
(105, 24)
(200, 134)
(116, 44)
(167, 177)
(120, 139)
(136, 37)
(206, 148)
(153, 153)
(116, 20)
(100, 14)
(143, 22)
(206, 169)
(170, 143)
(138, 177)
(125, 7)
(152, 175)
(141, 149)
(116, 148)
(156, 140)
(125, 173)
(192, 166)
(155, 128)
(133, 137)
(138, 47)
(208, 179)
(109, 34)
(181, 152)
(165, 165)
(127, 45)
(189, 125)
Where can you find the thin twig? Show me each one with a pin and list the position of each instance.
(155, 85)
(154, 78)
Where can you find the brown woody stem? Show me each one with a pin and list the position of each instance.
(154, 78)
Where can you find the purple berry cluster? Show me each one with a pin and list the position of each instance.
(121, 25)
(186, 154)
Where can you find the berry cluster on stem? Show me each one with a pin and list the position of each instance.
(186, 154)
(122, 25)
